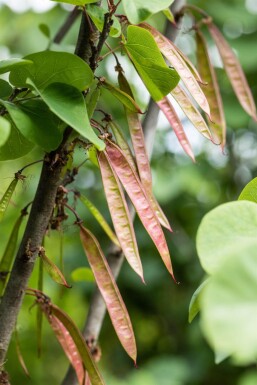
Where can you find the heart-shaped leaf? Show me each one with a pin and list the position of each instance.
(68, 104)
(224, 232)
(229, 302)
(146, 57)
(53, 67)
(249, 193)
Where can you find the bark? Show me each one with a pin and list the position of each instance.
(39, 217)
(115, 257)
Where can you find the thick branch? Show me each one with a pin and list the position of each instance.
(115, 256)
(39, 217)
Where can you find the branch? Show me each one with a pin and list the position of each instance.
(72, 17)
(115, 256)
(39, 217)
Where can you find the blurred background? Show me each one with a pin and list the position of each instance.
(170, 350)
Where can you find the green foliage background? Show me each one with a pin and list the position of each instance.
(171, 352)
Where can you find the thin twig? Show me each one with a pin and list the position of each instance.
(72, 17)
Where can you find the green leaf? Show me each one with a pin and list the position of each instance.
(5, 89)
(97, 14)
(53, 271)
(139, 10)
(76, 2)
(123, 97)
(249, 193)
(92, 155)
(147, 58)
(9, 255)
(53, 67)
(194, 306)
(92, 102)
(229, 306)
(11, 64)
(45, 30)
(82, 274)
(225, 231)
(15, 146)
(169, 15)
(36, 123)
(100, 219)
(68, 104)
(5, 129)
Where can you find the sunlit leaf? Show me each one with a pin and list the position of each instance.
(229, 303)
(10, 64)
(5, 130)
(172, 117)
(225, 231)
(100, 219)
(159, 79)
(120, 214)
(211, 90)
(170, 51)
(169, 15)
(139, 10)
(249, 193)
(53, 67)
(68, 104)
(140, 200)
(110, 292)
(82, 274)
(234, 71)
(53, 271)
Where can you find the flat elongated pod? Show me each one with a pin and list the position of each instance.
(176, 124)
(191, 111)
(7, 197)
(211, 89)
(110, 292)
(120, 214)
(234, 71)
(140, 200)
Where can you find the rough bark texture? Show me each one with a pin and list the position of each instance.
(115, 257)
(40, 214)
